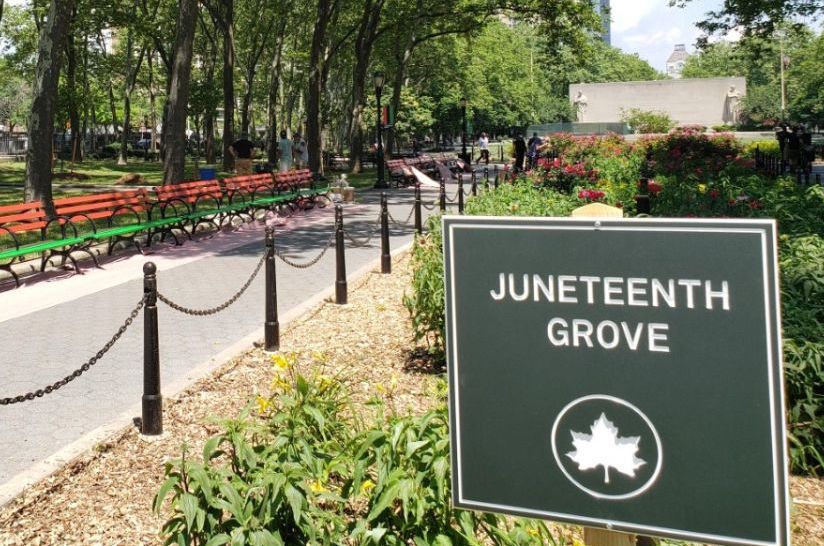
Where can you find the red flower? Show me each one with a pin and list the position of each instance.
(714, 194)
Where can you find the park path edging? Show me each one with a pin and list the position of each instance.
(40, 470)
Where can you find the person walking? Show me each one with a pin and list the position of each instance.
(243, 150)
(300, 151)
(285, 150)
(483, 144)
(532, 149)
(520, 152)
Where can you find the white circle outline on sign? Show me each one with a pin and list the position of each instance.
(620, 402)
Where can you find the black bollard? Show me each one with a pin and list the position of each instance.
(443, 196)
(642, 204)
(271, 327)
(386, 257)
(474, 184)
(460, 194)
(152, 415)
(486, 177)
(340, 259)
(818, 178)
(806, 177)
(418, 212)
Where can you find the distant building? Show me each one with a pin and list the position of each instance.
(604, 10)
(676, 61)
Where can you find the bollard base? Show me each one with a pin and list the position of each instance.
(271, 342)
(341, 293)
(386, 265)
(152, 419)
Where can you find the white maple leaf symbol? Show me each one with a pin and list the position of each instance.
(605, 448)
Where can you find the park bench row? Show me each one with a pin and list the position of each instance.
(400, 171)
(113, 218)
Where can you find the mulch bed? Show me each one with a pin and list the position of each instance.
(105, 497)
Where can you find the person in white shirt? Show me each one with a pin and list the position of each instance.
(483, 144)
(285, 149)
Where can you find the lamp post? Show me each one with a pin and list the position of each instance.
(378, 79)
(462, 104)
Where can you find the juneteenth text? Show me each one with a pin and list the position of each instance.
(611, 291)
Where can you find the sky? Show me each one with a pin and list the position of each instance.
(651, 28)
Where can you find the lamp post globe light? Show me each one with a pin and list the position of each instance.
(378, 79)
(462, 104)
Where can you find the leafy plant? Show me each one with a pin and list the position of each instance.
(645, 122)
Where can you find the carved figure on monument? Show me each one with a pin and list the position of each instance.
(580, 104)
(732, 106)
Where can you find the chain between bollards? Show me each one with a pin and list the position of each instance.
(418, 212)
(340, 259)
(152, 415)
(271, 326)
(442, 202)
(386, 257)
(461, 194)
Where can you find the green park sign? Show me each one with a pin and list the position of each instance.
(621, 374)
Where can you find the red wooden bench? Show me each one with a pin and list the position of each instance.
(193, 203)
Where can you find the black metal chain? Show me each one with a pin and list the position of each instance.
(219, 308)
(454, 199)
(429, 207)
(405, 222)
(374, 228)
(306, 265)
(39, 393)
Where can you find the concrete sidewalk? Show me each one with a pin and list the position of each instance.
(48, 330)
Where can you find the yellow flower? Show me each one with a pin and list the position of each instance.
(317, 487)
(281, 362)
(263, 404)
(514, 206)
(533, 532)
(279, 384)
(367, 486)
(380, 388)
(702, 188)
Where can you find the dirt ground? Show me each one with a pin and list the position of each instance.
(105, 497)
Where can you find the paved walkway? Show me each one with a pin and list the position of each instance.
(49, 328)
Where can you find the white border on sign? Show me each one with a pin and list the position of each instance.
(608, 224)
(620, 402)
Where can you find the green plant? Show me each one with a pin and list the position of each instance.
(302, 469)
(643, 121)
(426, 300)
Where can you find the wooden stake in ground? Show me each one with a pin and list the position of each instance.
(600, 537)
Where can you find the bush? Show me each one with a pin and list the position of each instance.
(645, 122)
(297, 470)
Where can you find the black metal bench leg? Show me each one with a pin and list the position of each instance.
(12, 273)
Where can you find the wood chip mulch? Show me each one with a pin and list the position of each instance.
(105, 497)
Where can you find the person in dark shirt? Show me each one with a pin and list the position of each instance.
(243, 151)
(520, 152)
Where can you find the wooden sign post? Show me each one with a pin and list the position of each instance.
(601, 537)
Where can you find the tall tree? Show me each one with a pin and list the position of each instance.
(53, 33)
(174, 130)
(755, 17)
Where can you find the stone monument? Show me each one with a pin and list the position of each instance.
(732, 106)
(580, 104)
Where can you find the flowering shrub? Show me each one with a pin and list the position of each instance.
(687, 153)
(562, 176)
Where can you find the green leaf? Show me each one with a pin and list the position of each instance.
(189, 507)
(296, 499)
(163, 491)
(210, 447)
(218, 540)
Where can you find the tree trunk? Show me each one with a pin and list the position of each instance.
(123, 156)
(397, 85)
(246, 102)
(367, 33)
(316, 72)
(174, 130)
(44, 93)
(152, 103)
(228, 83)
(71, 83)
(274, 91)
(86, 93)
